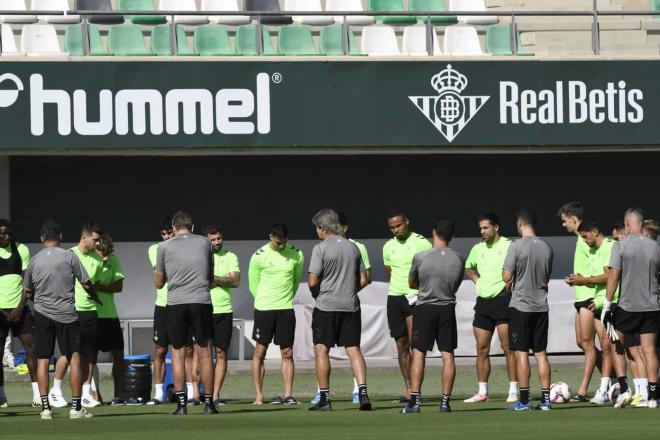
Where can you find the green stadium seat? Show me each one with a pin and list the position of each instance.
(655, 6)
(246, 40)
(212, 40)
(498, 41)
(332, 43)
(393, 6)
(161, 44)
(431, 6)
(127, 40)
(296, 40)
(141, 5)
(73, 41)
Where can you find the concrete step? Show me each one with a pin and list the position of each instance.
(537, 24)
(544, 5)
(578, 38)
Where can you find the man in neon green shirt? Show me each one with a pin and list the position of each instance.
(274, 277)
(600, 249)
(491, 311)
(226, 276)
(572, 215)
(398, 254)
(14, 259)
(161, 340)
(110, 336)
(91, 261)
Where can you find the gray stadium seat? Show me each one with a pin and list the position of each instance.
(267, 5)
(99, 5)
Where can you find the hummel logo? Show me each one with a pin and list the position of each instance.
(449, 112)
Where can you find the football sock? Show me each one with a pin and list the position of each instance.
(644, 388)
(445, 399)
(159, 392)
(76, 403)
(44, 403)
(57, 386)
(325, 395)
(35, 391)
(636, 385)
(362, 389)
(524, 395)
(653, 390)
(208, 399)
(190, 391)
(414, 399)
(513, 387)
(180, 398)
(604, 384)
(86, 389)
(318, 390)
(623, 383)
(545, 395)
(356, 389)
(483, 388)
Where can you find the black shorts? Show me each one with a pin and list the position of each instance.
(583, 305)
(528, 331)
(189, 322)
(489, 313)
(630, 323)
(109, 336)
(435, 324)
(341, 329)
(398, 309)
(160, 327)
(24, 325)
(632, 340)
(47, 331)
(278, 326)
(223, 326)
(88, 332)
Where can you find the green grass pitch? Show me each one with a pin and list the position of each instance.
(240, 420)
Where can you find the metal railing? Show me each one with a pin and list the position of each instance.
(595, 13)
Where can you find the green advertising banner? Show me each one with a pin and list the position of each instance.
(313, 104)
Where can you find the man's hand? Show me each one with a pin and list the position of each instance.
(14, 315)
(575, 279)
(611, 332)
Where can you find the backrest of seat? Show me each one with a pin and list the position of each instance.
(13, 5)
(8, 40)
(99, 5)
(73, 41)
(385, 5)
(262, 5)
(331, 41)
(246, 40)
(126, 39)
(379, 40)
(344, 5)
(212, 40)
(467, 5)
(426, 5)
(161, 43)
(40, 39)
(303, 5)
(296, 40)
(135, 5)
(220, 5)
(47, 5)
(462, 40)
(414, 41)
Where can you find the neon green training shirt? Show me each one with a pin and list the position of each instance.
(363, 252)
(224, 262)
(274, 277)
(398, 255)
(110, 272)
(488, 261)
(161, 294)
(11, 286)
(599, 259)
(582, 265)
(92, 263)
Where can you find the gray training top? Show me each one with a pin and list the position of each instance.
(52, 275)
(529, 259)
(338, 263)
(638, 259)
(187, 262)
(440, 273)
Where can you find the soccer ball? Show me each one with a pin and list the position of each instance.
(613, 392)
(559, 393)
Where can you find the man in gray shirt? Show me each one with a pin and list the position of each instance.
(437, 273)
(185, 263)
(635, 263)
(50, 279)
(527, 269)
(336, 275)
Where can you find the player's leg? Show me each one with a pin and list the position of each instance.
(350, 337)
(503, 335)
(323, 337)
(607, 370)
(258, 372)
(648, 339)
(418, 364)
(161, 344)
(191, 375)
(263, 334)
(483, 339)
(27, 341)
(117, 373)
(520, 343)
(448, 378)
(626, 325)
(206, 371)
(640, 379)
(69, 338)
(585, 322)
(399, 319)
(424, 335)
(447, 339)
(179, 334)
(202, 334)
(538, 324)
(222, 332)
(4, 330)
(285, 331)
(88, 354)
(220, 372)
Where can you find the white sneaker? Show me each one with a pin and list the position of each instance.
(623, 400)
(8, 360)
(56, 400)
(477, 398)
(46, 414)
(512, 398)
(653, 403)
(36, 402)
(600, 398)
(3, 402)
(90, 402)
(82, 414)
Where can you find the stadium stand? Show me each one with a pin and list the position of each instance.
(40, 39)
(54, 5)
(462, 40)
(430, 6)
(212, 40)
(308, 5)
(267, 5)
(140, 5)
(224, 6)
(390, 6)
(99, 5)
(350, 6)
(16, 5)
(472, 6)
(183, 5)
(380, 41)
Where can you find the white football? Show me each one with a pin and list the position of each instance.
(613, 392)
(559, 393)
